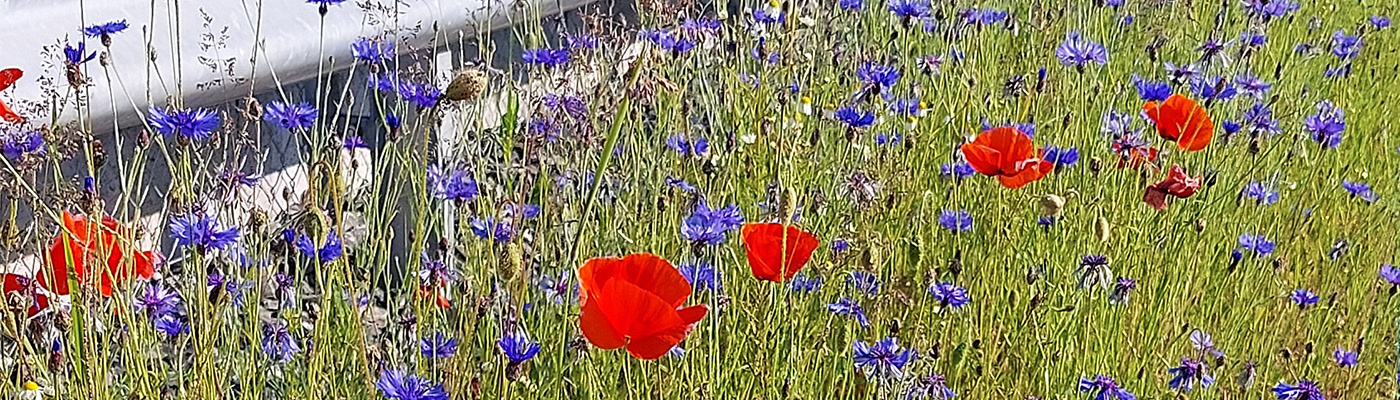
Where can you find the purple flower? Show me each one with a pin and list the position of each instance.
(932, 386)
(1304, 298)
(292, 117)
(1345, 46)
(878, 75)
(157, 299)
(517, 347)
(105, 30)
(1214, 88)
(984, 16)
(1252, 85)
(453, 185)
(1269, 9)
(201, 231)
(802, 283)
(955, 220)
(701, 275)
(1304, 390)
(1260, 120)
(1380, 21)
(1104, 388)
(1149, 90)
(1345, 358)
(1075, 51)
(854, 5)
(545, 57)
(865, 282)
(581, 41)
(1260, 245)
(711, 226)
(910, 9)
(769, 16)
(1326, 126)
(957, 170)
(1062, 157)
(171, 325)
(668, 41)
(1121, 289)
(949, 295)
(490, 228)
(354, 142)
(278, 343)
(79, 55)
(1184, 377)
(1253, 39)
(855, 118)
(438, 346)
(17, 144)
(402, 385)
(372, 51)
(1360, 190)
(197, 124)
(1202, 342)
(1390, 274)
(421, 94)
(848, 307)
(1262, 194)
(884, 361)
(328, 252)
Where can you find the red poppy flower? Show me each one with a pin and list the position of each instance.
(23, 285)
(8, 77)
(1181, 120)
(1177, 184)
(81, 242)
(635, 301)
(1009, 155)
(764, 244)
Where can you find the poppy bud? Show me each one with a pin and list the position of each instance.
(894, 327)
(1095, 165)
(1101, 228)
(1200, 225)
(1051, 205)
(469, 84)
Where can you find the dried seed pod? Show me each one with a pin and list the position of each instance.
(1101, 228)
(468, 84)
(1051, 205)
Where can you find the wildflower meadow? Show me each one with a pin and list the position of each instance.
(795, 199)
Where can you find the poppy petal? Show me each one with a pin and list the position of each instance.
(9, 76)
(982, 158)
(596, 327)
(764, 246)
(1155, 197)
(9, 115)
(1031, 172)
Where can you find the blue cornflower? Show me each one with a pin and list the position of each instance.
(328, 252)
(1201, 341)
(882, 139)
(201, 231)
(1269, 9)
(933, 386)
(79, 55)
(802, 283)
(518, 347)
(1260, 245)
(1104, 387)
(292, 117)
(906, 106)
(402, 385)
(865, 282)
(354, 142)
(1304, 298)
(1076, 51)
(711, 226)
(438, 346)
(1252, 85)
(1304, 390)
(1253, 39)
(105, 30)
(957, 170)
(372, 51)
(669, 41)
(884, 76)
(171, 325)
(839, 246)
(855, 5)
(1062, 157)
(955, 220)
(855, 118)
(489, 228)
(949, 295)
(1121, 289)
(1262, 194)
(278, 343)
(545, 57)
(194, 124)
(848, 307)
(1380, 21)
(453, 185)
(17, 144)
(1260, 119)
(1360, 190)
(909, 9)
(1345, 46)
(984, 16)
(423, 95)
(1326, 126)
(884, 361)
(1230, 127)
(1345, 358)
(157, 299)
(684, 146)
(1390, 274)
(679, 183)
(701, 275)
(581, 41)
(561, 289)
(1214, 88)
(1183, 73)
(1185, 376)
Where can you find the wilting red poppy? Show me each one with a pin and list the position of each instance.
(1009, 155)
(635, 301)
(764, 244)
(1177, 184)
(81, 242)
(24, 286)
(1181, 120)
(8, 77)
